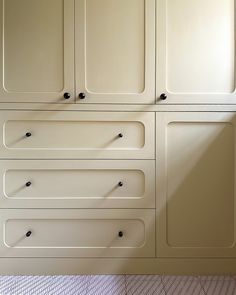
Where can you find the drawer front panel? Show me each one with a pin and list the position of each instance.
(77, 184)
(36, 134)
(75, 233)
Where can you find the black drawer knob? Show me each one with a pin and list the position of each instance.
(66, 95)
(163, 96)
(28, 134)
(82, 95)
(28, 234)
(120, 183)
(28, 184)
(120, 135)
(120, 234)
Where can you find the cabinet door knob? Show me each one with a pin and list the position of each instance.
(28, 184)
(120, 234)
(163, 96)
(28, 234)
(28, 134)
(82, 95)
(120, 135)
(66, 95)
(120, 183)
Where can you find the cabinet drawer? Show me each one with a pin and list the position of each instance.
(77, 184)
(78, 233)
(61, 134)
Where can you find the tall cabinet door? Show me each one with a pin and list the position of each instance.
(36, 48)
(196, 185)
(196, 51)
(115, 51)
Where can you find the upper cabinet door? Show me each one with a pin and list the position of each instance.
(115, 51)
(37, 52)
(196, 51)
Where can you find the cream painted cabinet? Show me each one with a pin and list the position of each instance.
(108, 44)
(115, 51)
(77, 233)
(92, 170)
(196, 51)
(77, 184)
(196, 184)
(37, 51)
(84, 135)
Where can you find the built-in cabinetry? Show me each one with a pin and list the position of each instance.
(78, 233)
(30, 180)
(84, 51)
(196, 184)
(195, 51)
(37, 51)
(117, 136)
(77, 184)
(99, 135)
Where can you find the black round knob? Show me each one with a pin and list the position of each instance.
(28, 234)
(163, 96)
(66, 95)
(120, 183)
(82, 95)
(120, 234)
(28, 134)
(28, 184)
(120, 135)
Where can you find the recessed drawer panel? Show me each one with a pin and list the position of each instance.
(78, 233)
(77, 184)
(53, 134)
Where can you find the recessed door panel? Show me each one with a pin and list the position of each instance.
(196, 51)
(36, 50)
(196, 195)
(115, 51)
